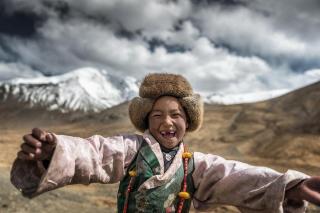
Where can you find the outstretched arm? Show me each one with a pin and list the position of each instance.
(252, 189)
(71, 160)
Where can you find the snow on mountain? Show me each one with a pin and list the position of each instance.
(85, 89)
(217, 98)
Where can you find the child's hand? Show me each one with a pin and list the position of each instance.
(308, 190)
(39, 145)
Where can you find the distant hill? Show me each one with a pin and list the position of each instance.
(283, 129)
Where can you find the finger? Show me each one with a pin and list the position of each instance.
(30, 140)
(39, 134)
(50, 139)
(312, 196)
(25, 156)
(21, 155)
(313, 183)
(30, 149)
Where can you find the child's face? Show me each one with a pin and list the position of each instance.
(168, 121)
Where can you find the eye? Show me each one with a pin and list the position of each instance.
(175, 115)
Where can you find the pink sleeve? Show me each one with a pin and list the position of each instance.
(77, 160)
(252, 189)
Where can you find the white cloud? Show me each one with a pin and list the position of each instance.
(209, 67)
(14, 70)
(248, 31)
(155, 16)
(75, 43)
(314, 73)
(294, 17)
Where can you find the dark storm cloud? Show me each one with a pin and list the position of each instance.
(5, 53)
(171, 48)
(18, 23)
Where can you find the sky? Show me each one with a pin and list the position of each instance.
(220, 46)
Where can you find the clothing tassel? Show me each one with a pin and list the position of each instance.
(132, 175)
(184, 194)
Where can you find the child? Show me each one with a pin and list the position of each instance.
(156, 172)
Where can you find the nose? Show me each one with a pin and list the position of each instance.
(167, 121)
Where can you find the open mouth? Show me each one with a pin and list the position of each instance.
(168, 134)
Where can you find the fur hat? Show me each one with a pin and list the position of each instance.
(162, 84)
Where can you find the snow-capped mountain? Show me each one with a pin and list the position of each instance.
(90, 89)
(85, 89)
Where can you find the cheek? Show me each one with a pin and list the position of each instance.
(152, 123)
(183, 125)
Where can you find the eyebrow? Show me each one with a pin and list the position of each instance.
(159, 110)
(153, 111)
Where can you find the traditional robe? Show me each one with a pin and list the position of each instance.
(217, 181)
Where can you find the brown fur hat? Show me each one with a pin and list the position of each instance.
(163, 84)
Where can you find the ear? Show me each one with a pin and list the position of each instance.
(187, 125)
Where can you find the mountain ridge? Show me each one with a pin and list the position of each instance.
(92, 90)
(85, 89)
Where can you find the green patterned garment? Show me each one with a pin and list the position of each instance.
(159, 199)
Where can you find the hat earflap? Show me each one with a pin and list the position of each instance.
(139, 109)
(193, 105)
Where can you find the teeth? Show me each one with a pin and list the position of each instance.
(168, 133)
